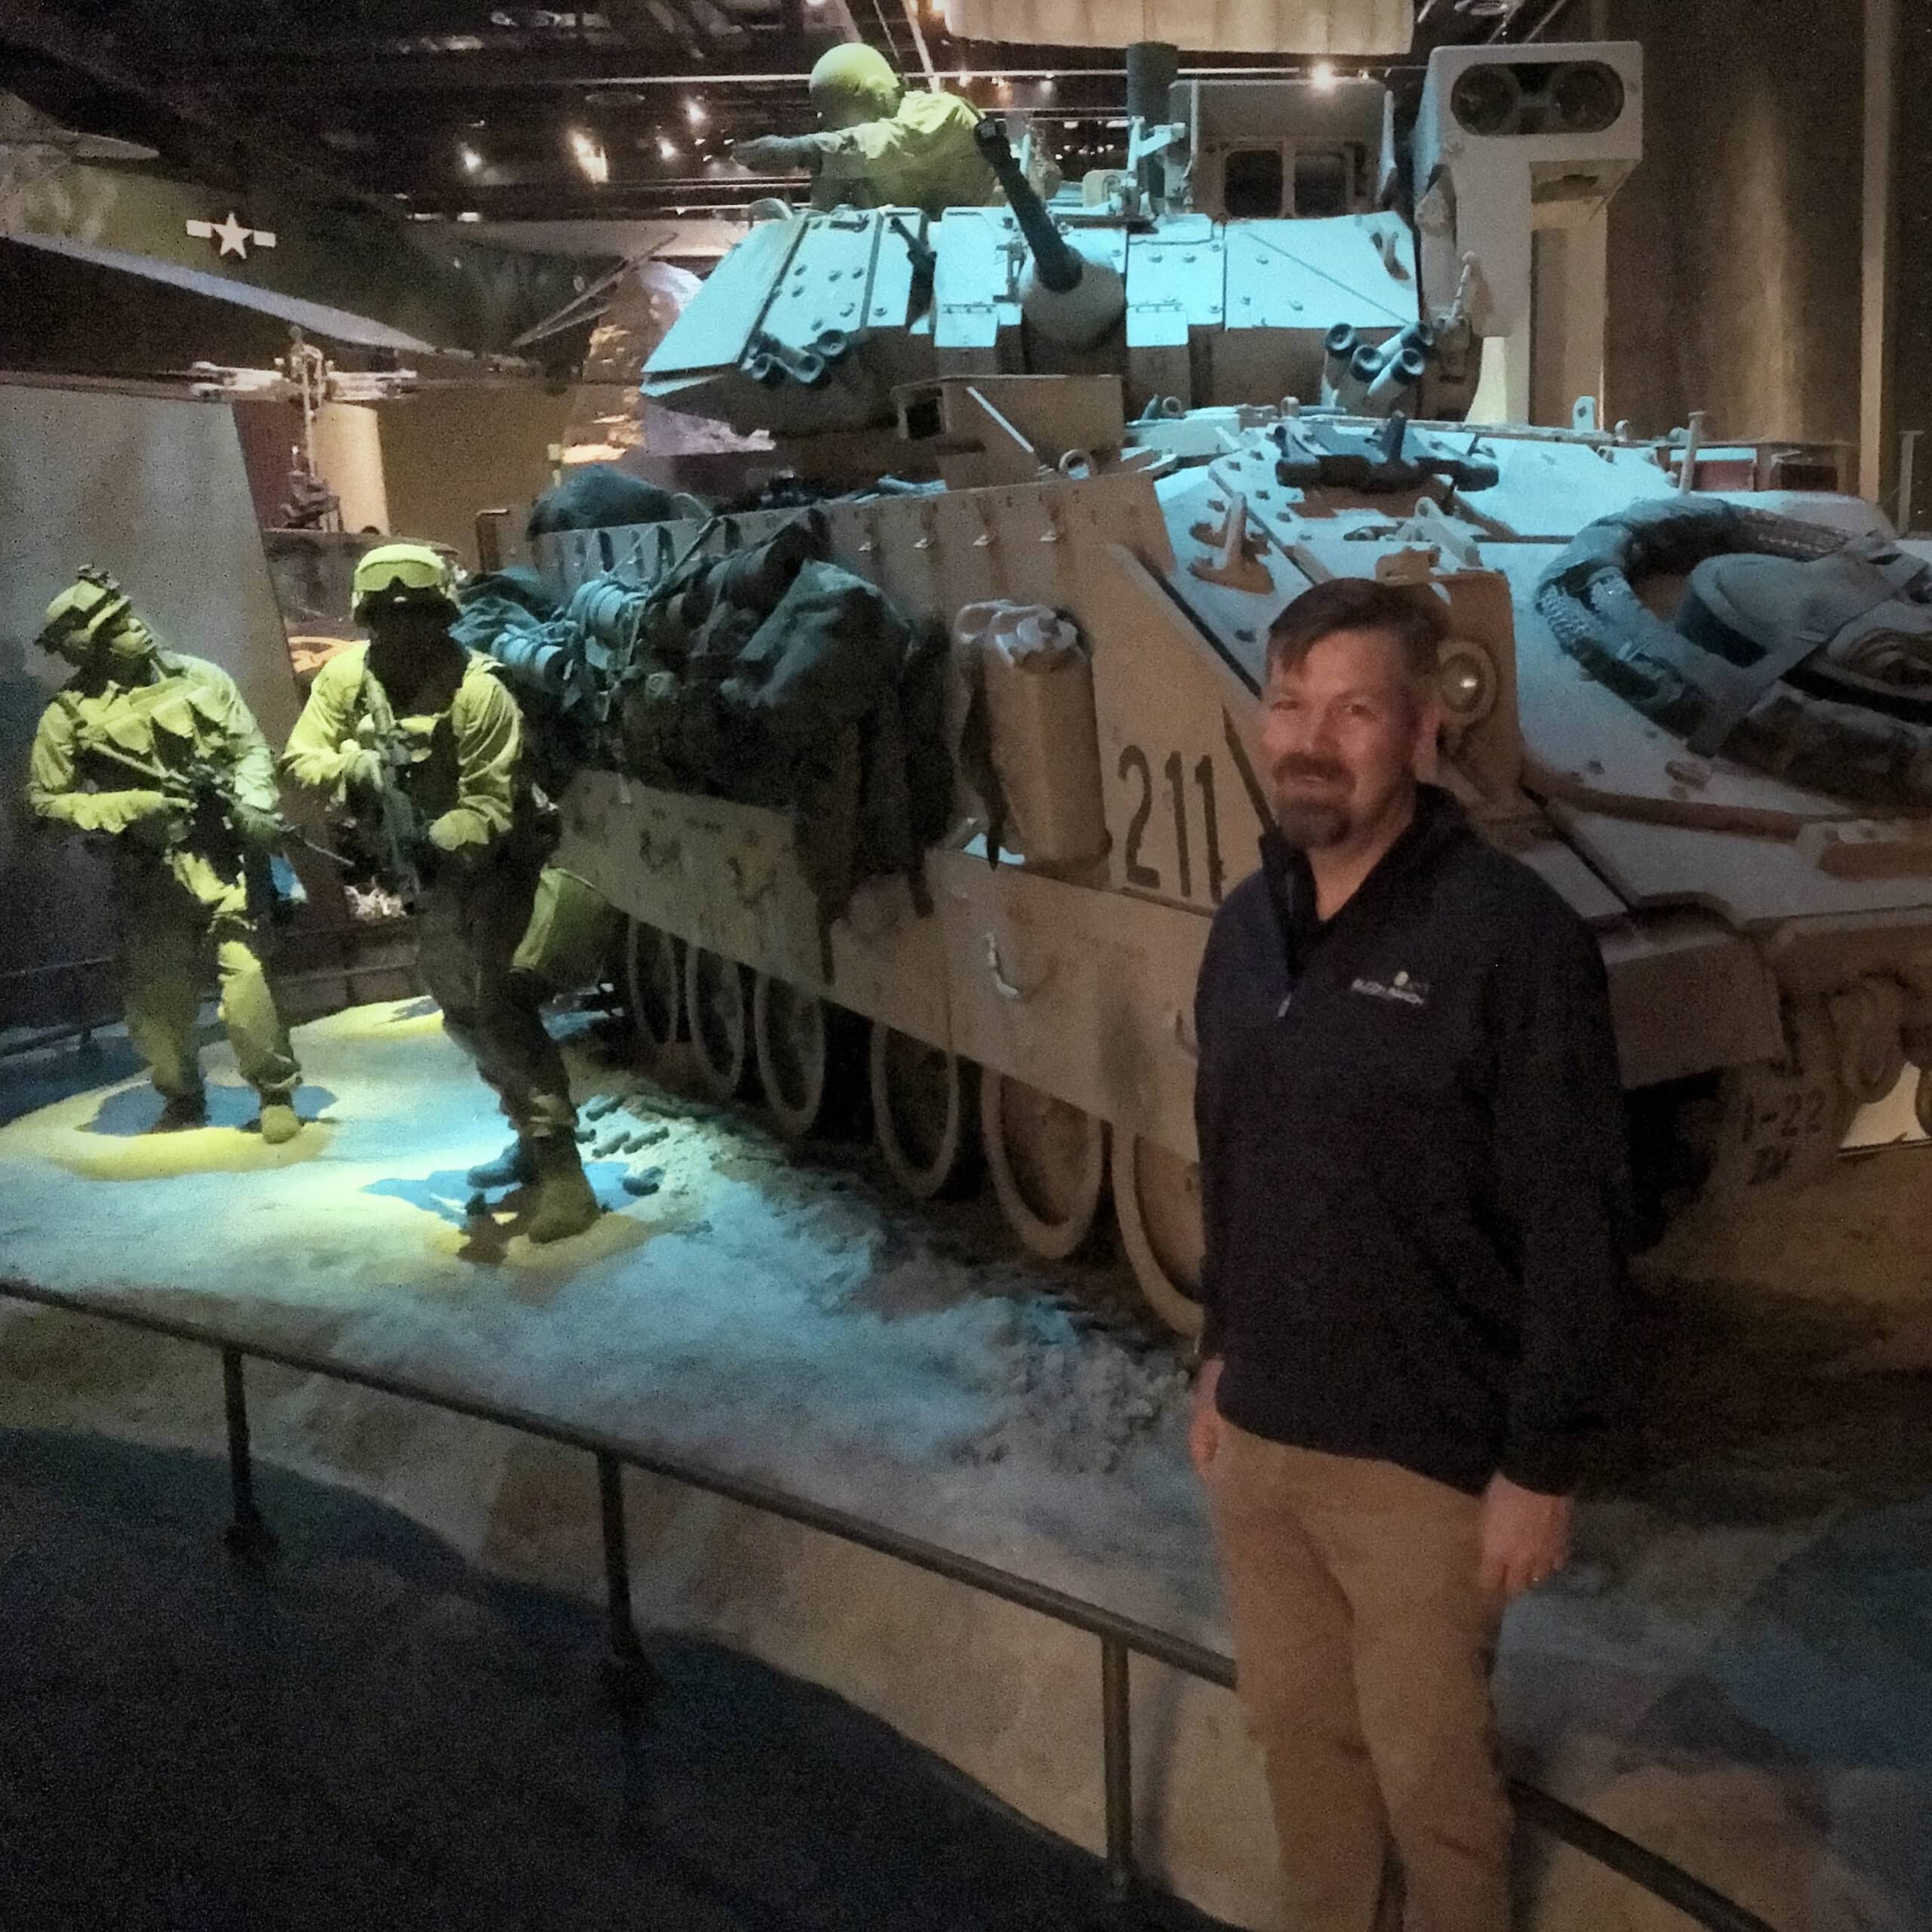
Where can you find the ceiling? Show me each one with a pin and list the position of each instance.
(445, 109)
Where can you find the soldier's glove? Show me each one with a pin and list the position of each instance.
(151, 819)
(458, 837)
(777, 154)
(361, 771)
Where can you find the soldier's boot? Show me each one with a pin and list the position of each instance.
(179, 1111)
(565, 1205)
(512, 1167)
(280, 1122)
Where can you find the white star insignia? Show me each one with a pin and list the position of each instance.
(233, 237)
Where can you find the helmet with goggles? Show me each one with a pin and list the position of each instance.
(402, 574)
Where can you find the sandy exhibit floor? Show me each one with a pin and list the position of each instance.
(1735, 1670)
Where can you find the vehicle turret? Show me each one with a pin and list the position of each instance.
(1066, 297)
(1259, 227)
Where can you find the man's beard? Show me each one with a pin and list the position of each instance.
(1310, 827)
(1310, 824)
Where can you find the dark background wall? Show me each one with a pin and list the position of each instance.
(1911, 369)
(1734, 249)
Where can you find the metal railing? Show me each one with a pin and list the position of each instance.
(84, 1017)
(249, 1536)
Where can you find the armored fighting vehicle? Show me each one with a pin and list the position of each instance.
(1081, 454)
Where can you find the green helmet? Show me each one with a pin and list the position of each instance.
(854, 82)
(91, 615)
(395, 574)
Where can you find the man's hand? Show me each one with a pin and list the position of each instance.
(1204, 1426)
(775, 154)
(361, 771)
(457, 834)
(151, 820)
(1525, 1538)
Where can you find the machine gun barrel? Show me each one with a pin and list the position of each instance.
(1067, 298)
(1056, 266)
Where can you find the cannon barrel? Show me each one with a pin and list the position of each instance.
(1056, 266)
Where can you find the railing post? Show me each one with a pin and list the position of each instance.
(629, 1674)
(247, 1536)
(1117, 1768)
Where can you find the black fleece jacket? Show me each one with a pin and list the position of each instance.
(1412, 1161)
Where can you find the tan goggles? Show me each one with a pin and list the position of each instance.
(406, 571)
(405, 579)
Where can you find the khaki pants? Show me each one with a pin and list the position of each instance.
(172, 915)
(1362, 1647)
(468, 927)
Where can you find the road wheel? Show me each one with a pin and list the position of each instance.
(718, 1013)
(922, 1100)
(1048, 1161)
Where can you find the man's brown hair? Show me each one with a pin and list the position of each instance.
(1417, 623)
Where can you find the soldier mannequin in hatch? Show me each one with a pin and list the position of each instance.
(156, 753)
(881, 146)
(412, 729)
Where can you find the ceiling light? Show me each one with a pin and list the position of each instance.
(694, 113)
(666, 150)
(469, 214)
(1324, 76)
(472, 161)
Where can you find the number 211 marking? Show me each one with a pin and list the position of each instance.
(1134, 762)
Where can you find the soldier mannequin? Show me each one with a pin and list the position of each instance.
(413, 720)
(880, 146)
(157, 753)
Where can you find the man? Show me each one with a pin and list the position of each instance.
(1411, 1147)
(155, 753)
(423, 742)
(881, 146)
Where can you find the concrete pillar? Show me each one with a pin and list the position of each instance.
(348, 452)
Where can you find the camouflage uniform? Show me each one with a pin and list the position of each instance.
(461, 739)
(120, 759)
(922, 156)
(880, 147)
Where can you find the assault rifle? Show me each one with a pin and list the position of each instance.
(207, 808)
(397, 828)
(209, 821)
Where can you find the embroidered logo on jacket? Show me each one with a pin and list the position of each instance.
(1403, 989)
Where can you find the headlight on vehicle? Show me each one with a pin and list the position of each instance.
(1465, 683)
